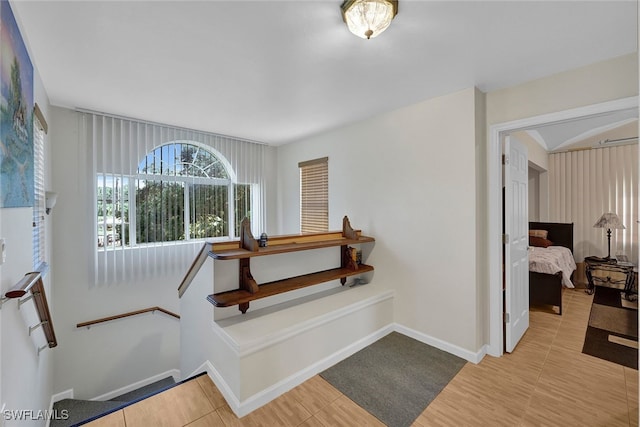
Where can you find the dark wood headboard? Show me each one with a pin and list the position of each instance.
(561, 234)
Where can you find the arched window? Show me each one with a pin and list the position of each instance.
(180, 191)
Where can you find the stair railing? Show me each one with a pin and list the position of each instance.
(32, 282)
(195, 267)
(89, 323)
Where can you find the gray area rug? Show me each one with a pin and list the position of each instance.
(394, 378)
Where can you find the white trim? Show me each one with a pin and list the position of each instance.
(242, 408)
(267, 395)
(281, 335)
(175, 373)
(495, 200)
(220, 383)
(67, 394)
(442, 345)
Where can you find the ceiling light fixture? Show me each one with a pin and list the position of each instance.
(368, 18)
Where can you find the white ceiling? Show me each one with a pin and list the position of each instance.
(277, 71)
(562, 135)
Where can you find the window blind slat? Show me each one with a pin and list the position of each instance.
(38, 194)
(158, 187)
(314, 195)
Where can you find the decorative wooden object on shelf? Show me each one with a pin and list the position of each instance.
(247, 247)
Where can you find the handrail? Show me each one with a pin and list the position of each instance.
(24, 285)
(195, 267)
(131, 313)
(33, 282)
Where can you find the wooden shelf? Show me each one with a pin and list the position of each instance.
(280, 248)
(239, 296)
(248, 247)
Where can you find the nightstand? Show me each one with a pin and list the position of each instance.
(612, 274)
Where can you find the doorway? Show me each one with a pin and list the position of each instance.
(494, 166)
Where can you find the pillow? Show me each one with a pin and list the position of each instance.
(539, 233)
(539, 242)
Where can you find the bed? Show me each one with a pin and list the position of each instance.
(550, 268)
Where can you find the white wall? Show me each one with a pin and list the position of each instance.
(26, 379)
(600, 82)
(534, 194)
(407, 178)
(482, 265)
(115, 354)
(538, 179)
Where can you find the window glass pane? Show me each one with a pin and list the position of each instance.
(182, 192)
(159, 211)
(242, 199)
(113, 210)
(180, 159)
(208, 211)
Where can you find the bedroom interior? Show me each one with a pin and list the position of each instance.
(570, 188)
(116, 92)
(577, 168)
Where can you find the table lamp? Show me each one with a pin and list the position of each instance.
(609, 221)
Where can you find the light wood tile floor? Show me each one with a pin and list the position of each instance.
(546, 381)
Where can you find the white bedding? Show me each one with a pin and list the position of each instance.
(552, 260)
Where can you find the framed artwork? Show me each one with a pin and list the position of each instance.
(16, 115)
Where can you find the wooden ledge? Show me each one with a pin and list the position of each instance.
(240, 296)
(226, 251)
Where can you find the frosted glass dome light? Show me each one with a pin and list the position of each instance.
(368, 18)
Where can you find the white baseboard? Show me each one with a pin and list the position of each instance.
(67, 394)
(175, 373)
(442, 345)
(222, 385)
(265, 396)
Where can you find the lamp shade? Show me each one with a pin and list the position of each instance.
(368, 18)
(609, 221)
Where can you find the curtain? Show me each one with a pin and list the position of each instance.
(587, 183)
(118, 146)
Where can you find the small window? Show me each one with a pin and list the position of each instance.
(38, 192)
(314, 195)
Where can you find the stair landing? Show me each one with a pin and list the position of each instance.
(194, 400)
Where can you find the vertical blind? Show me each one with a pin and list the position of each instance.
(587, 183)
(38, 195)
(124, 185)
(314, 195)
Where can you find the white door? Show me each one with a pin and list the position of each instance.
(516, 217)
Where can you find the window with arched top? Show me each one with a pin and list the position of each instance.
(159, 191)
(180, 191)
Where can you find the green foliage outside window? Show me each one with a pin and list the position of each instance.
(168, 199)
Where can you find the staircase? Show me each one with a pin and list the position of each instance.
(83, 411)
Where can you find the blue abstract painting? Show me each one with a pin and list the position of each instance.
(16, 115)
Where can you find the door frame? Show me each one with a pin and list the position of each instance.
(494, 170)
